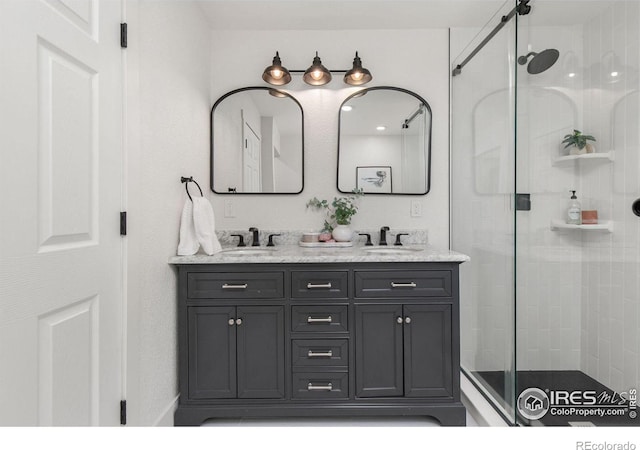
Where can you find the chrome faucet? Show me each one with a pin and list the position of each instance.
(383, 235)
(256, 237)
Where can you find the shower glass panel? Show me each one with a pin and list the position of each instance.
(482, 215)
(547, 306)
(577, 288)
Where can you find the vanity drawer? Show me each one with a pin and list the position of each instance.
(235, 285)
(319, 284)
(319, 319)
(320, 352)
(329, 385)
(412, 283)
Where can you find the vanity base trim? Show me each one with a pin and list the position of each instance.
(448, 414)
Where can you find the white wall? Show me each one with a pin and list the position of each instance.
(413, 59)
(169, 104)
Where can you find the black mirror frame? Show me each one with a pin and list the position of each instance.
(388, 88)
(253, 88)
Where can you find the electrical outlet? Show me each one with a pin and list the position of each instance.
(416, 208)
(229, 208)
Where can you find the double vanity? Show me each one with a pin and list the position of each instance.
(289, 331)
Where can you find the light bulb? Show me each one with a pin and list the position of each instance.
(277, 73)
(316, 74)
(381, 128)
(571, 75)
(614, 74)
(347, 108)
(357, 76)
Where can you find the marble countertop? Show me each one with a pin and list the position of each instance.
(297, 254)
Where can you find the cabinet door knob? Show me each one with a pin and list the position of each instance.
(407, 320)
(231, 322)
(399, 320)
(239, 321)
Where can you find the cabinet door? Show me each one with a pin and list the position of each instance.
(260, 336)
(427, 351)
(378, 351)
(212, 352)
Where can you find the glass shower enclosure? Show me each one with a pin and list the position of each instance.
(549, 310)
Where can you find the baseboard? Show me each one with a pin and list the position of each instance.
(166, 418)
(478, 407)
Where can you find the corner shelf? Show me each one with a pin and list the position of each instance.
(606, 225)
(603, 157)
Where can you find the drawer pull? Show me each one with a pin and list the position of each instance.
(319, 387)
(327, 354)
(403, 285)
(234, 286)
(319, 319)
(318, 286)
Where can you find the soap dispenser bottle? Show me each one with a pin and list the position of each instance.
(574, 212)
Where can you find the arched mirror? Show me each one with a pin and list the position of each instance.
(257, 143)
(384, 142)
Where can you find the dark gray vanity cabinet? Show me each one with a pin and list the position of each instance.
(236, 352)
(318, 339)
(404, 350)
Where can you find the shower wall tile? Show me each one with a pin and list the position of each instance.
(611, 262)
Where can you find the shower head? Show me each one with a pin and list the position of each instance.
(540, 61)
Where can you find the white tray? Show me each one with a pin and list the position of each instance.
(325, 244)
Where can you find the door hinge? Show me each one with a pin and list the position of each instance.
(123, 412)
(123, 35)
(123, 223)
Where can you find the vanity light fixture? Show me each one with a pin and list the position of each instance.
(358, 75)
(275, 74)
(316, 74)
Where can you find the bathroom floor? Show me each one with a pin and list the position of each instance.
(333, 422)
(566, 380)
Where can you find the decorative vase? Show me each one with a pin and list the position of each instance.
(591, 148)
(574, 150)
(342, 233)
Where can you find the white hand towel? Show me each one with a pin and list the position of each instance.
(188, 242)
(205, 225)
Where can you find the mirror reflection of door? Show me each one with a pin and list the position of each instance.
(257, 143)
(250, 159)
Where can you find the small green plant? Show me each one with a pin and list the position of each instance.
(339, 211)
(578, 139)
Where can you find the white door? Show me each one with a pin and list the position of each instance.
(251, 180)
(60, 192)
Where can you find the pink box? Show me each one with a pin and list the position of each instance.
(589, 217)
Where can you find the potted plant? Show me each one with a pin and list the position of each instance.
(578, 143)
(340, 211)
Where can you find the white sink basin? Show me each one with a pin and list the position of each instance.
(392, 250)
(248, 251)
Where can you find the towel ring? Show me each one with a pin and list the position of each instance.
(186, 186)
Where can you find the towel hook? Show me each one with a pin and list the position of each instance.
(186, 181)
